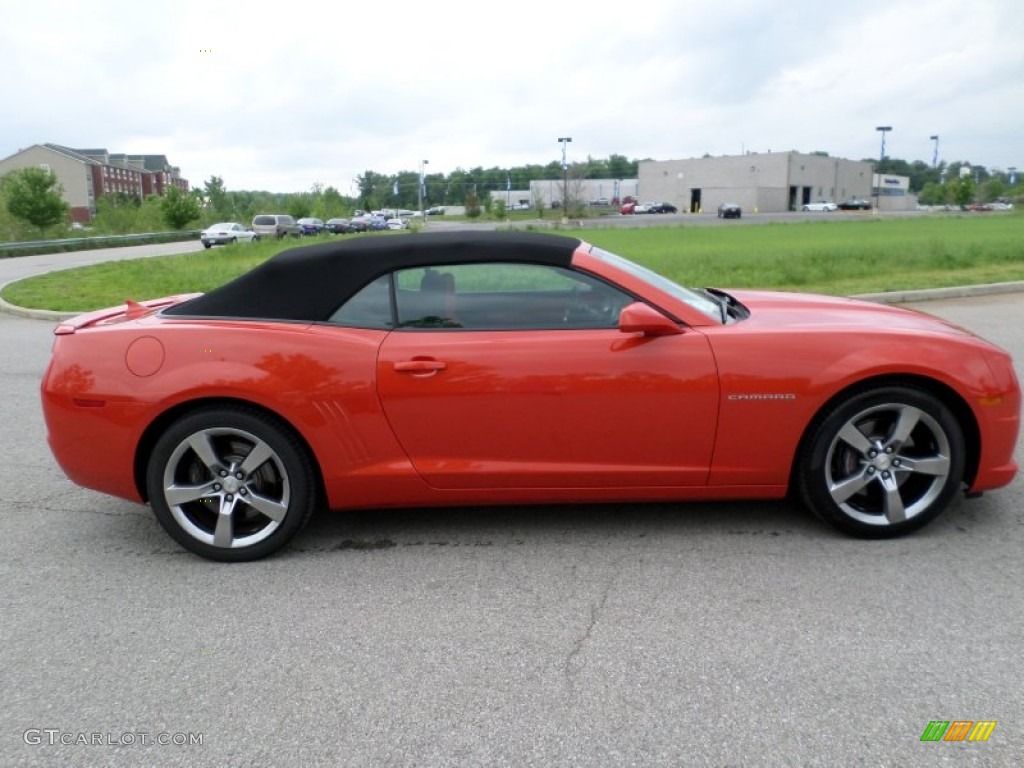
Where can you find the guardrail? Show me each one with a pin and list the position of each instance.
(89, 243)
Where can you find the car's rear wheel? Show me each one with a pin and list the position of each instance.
(883, 462)
(230, 483)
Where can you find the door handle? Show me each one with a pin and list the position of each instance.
(420, 366)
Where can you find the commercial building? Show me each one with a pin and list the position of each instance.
(548, 193)
(764, 182)
(88, 174)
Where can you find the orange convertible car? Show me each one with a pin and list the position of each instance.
(485, 368)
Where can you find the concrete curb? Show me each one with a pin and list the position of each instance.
(891, 297)
(35, 314)
(954, 292)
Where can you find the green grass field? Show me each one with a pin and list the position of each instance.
(837, 257)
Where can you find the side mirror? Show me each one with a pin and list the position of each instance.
(642, 318)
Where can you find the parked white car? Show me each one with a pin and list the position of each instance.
(397, 223)
(821, 205)
(225, 233)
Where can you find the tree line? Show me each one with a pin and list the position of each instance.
(32, 204)
(957, 183)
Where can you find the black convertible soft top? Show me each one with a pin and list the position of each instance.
(309, 283)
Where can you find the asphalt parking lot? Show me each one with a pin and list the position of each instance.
(727, 634)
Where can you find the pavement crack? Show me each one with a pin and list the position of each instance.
(571, 665)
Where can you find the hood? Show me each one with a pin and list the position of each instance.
(815, 312)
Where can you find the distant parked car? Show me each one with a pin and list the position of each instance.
(729, 211)
(821, 205)
(377, 222)
(855, 205)
(437, 210)
(628, 209)
(662, 208)
(358, 224)
(397, 222)
(225, 233)
(276, 225)
(311, 226)
(337, 226)
(642, 207)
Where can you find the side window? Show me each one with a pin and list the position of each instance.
(505, 296)
(369, 308)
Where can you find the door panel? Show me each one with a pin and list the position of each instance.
(551, 408)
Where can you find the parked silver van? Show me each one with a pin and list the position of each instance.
(275, 225)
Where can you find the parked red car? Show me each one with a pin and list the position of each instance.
(504, 367)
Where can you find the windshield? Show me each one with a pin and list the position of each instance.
(701, 302)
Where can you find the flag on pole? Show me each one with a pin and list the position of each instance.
(394, 189)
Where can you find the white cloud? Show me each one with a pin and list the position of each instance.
(272, 96)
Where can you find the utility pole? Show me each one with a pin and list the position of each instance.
(878, 189)
(564, 140)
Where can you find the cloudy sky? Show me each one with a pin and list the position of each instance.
(280, 96)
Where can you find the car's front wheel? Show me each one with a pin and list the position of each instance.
(883, 462)
(230, 483)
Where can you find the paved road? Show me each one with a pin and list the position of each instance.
(705, 634)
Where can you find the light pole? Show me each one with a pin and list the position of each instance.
(564, 140)
(423, 218)
(883, 129)
(1013, 175)
(935, 151)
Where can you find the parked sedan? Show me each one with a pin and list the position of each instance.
(311, 226)
(337, 226)
(225, 233)
(821, 205)
(397, 223)
(730, 211)
(855, 205)
(509, 367)
(662, 208)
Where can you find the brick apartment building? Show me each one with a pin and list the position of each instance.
(88, 174)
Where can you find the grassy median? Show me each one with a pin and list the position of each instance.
(838, 257)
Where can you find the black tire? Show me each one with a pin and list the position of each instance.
(234, 240)
(211, 502)
(207, 246)
(883, 462)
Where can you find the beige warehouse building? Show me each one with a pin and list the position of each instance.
(769, 182)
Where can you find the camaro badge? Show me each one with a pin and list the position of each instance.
(762, 396)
